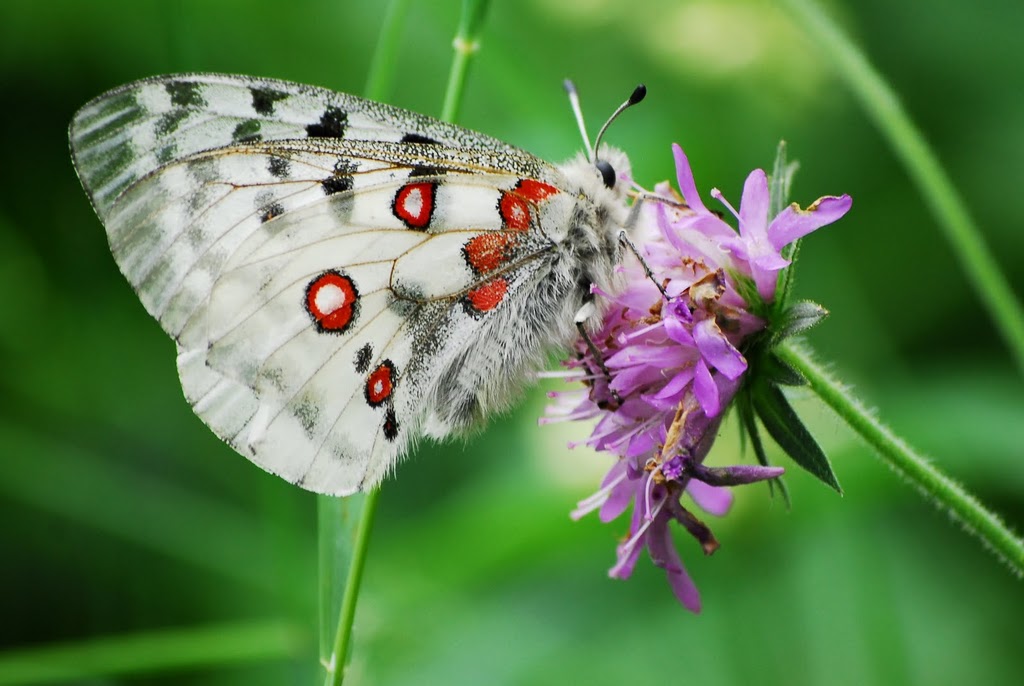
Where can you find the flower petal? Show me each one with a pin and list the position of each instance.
(754, 206)
(617, 502)
(676, 384)
(706, 390)
(687, 186)
(663, 554)
(714, 500)
(793, 223)
(717, 350)
(676, 330)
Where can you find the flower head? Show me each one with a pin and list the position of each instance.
(668, 359)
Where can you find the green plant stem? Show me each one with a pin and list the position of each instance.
(382, 66)
(915, 468)
(336, 515)
(337, 659)
(156, 652)
(949, 209)
(466, 43)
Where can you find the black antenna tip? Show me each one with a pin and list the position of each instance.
(639, 93)
(569, 86)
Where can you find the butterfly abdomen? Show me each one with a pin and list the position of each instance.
(581, 250)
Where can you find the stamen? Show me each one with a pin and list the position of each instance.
(648, 490)
(581, 414)
(627, 547)
(596, 500)
(717, 195)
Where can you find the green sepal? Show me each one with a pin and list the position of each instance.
(779, 184)
(785, 427)
(748, 429)
(780, 180)
(774, 369)
(797, 318)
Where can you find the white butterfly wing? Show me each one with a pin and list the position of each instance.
(313, 284)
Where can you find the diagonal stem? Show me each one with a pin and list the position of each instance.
(938, 191)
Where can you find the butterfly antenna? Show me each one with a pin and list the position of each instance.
(574, 102)
(636, 96)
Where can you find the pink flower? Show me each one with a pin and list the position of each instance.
(675, 361)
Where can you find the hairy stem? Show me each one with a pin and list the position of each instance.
(945, 493)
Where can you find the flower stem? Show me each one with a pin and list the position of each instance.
(466, 43)
(382, 66)
(336, 515)
(915, 468)
(949, 209)
(339, 511)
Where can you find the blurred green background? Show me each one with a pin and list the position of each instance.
(122, 515)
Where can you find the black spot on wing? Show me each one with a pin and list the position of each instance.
(307, 412)
(390, 424)
(341, 180)
(417, 138)
(426, 171)
(363, 358)
(247, 131)
(184, 93)
(332, 124)
(263, 99)
(274, 209)
(336, 184)
(166, 153)
(169, 121)
(280, 167)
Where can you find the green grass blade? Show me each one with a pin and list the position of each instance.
(938, 191)
(156, 652)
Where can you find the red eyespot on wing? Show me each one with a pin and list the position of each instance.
(488, 251)
(515, 213)
(534, 190)
(332, 301)
(380, 384)
(488, 296)
(414, 204)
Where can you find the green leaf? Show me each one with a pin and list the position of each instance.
(797, 318)
(159, 653)
(783, 425)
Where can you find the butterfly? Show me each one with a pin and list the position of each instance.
(342, 277)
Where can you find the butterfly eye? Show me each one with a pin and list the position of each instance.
(607, 173)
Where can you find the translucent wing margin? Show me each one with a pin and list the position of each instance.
(126, 133)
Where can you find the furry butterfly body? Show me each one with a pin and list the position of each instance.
(340, 276)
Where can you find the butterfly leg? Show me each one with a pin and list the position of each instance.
(582, 315)
(631, 220)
